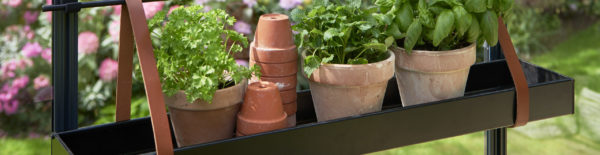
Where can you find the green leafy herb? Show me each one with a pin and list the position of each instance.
(192, 52)
(343, 33)
(442, 24)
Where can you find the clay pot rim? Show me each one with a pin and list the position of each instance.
(242, 84)
(270, 17)
(391, 57)
(436, 53)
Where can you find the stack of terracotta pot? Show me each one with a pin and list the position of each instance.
(262, 110)
(273, 49)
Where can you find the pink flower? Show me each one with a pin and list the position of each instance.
(11, 107)
(113, 30)
(30, 16)
(88, 42)
(7, 69)
(241, 62)
(40, 82)
(31, 50)
(108, 69)
(250, 3)
(151, 8)
(20, 83)
(49, 14)
(242, 27)
(13, 3)
(47, 55)
(116, 9)
(289, 4)
(173, 8)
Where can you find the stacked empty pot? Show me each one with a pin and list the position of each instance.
(262, 110)
(273, 49)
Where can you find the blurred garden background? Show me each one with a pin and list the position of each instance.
(562, 35)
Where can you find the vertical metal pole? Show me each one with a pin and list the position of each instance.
(495, 139)
(64, 69)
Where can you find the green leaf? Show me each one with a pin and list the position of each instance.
(376, 46)
(489, 27)
(474, 31)
(404, 17)
(477, 6)
(327, 59)
(394, 31)
(462, 18)
(504, 5)
(297, 14)
(330, 33)
(355, 3)
(413, 35)
(311, 63)
(425, 16)
(382, 18)
(389, 41)
(443, 27)
(358, 61)
(490, 4)
(385, 5)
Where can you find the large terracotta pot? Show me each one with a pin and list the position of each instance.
(341, 90)
(426, 76)
(273, 49)
(200, 122)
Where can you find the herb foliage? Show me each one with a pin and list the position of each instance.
(442, 24)
(339, 32)
(192, 54)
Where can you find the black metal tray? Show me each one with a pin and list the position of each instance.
(488, 103)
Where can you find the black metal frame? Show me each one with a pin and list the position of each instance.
(64, 48)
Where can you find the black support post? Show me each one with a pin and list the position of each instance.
(64, 68)
(495, 139)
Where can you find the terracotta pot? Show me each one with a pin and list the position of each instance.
(200, 122)
(273, 49)
(426, 76)
(341, 90)
(262, 110)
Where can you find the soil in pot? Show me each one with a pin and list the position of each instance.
(273, 49)
(200, 121)
(425, 76)
(262, 110)
(341, 90)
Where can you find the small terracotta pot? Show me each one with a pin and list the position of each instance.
(341, 90)
(273, 49)
(426, 76)
(262, 110)
(274, 31)
(200, 122)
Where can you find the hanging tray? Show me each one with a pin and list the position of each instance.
(488, 103)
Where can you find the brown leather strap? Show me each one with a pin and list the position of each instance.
(516, 72)
(125, 67)
(158, 115)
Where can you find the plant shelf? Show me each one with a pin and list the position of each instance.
(488, 103)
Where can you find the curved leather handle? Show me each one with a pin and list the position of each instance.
(516, 72)
(134, 24)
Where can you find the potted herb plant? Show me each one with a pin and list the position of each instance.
(203, 84)
(437, 40)
(345, 57)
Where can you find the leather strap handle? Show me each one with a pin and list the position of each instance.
(516, 72)
(123, 108)
(134, 24)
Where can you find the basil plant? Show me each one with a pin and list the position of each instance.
(442, 24)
